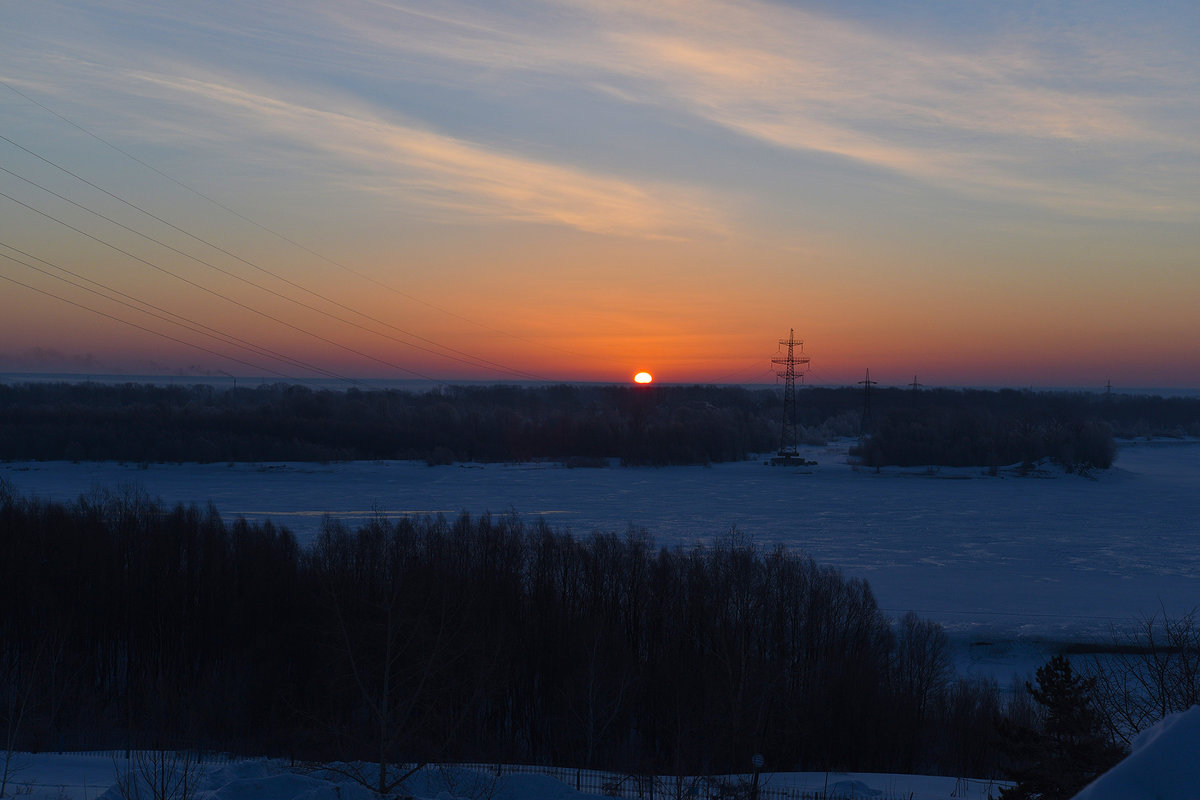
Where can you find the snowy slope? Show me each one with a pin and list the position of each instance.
(1164, 764)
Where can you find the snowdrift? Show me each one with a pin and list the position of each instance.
(269, 780)
(1165, 763)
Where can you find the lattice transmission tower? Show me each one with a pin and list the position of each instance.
(866, 414)
(788, 367)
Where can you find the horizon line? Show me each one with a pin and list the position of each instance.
(225, 379)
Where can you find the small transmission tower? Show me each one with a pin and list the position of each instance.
(916, 387)
(866, 415)
(788, 367)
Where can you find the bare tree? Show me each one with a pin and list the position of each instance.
(158, 775)
(1150, 671)
(393, 633)
(923, 669)
(19, 669)
(600, 696)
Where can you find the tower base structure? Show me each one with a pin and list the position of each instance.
(790, 460)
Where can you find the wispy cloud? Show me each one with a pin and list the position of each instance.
(1009, 119)
(410, 163)
(984, 122)
(1084, 121)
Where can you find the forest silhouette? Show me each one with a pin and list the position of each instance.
(576, 424)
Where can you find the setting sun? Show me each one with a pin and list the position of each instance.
(643, 377)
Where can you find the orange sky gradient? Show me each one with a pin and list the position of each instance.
(578, 191)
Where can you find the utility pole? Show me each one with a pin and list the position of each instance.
(866, 415)
(915, 388)
(786, 368)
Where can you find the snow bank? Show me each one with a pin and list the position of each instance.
(272, 780)
(83, 777)
(883, 786)
(60, 776)
(284, 787)
(1165, 763)
(247, 780)
(853, 789)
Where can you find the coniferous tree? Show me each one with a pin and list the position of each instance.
(1069, 750)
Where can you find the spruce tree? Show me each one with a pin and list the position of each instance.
(1069, 750)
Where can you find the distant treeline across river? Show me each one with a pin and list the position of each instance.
(579, 425)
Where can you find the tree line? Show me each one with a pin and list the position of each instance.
(993, 428)
(577, 424)
(975, 437)
(125, 623)
(282, 422)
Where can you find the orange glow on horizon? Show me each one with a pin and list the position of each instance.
(643, 377)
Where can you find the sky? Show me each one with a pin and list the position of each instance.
(983, 194)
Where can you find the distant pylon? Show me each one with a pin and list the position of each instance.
(788, 445)
(866, 415)
(915, 388)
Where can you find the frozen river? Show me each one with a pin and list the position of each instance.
(1006, 556)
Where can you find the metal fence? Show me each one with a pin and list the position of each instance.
(193, 756)
(667, 787)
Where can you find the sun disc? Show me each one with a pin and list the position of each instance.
(643, 377)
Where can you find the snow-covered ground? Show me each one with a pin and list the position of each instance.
(93, 777)
(1007, 563)
(1163, 764)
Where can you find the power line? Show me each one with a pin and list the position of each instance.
(142, 327)
(755, 370)
(251, 264)
(476, 362)
(1019, 614)
(271, 231)
(227, 299)
(186, 323)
